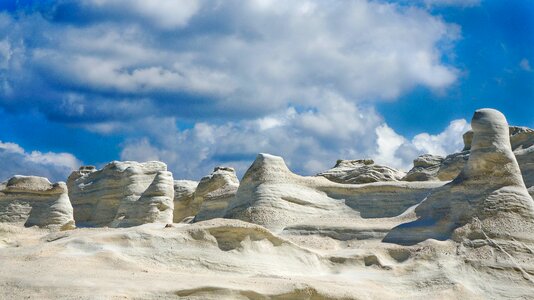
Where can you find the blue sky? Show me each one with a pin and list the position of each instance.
(201, 83)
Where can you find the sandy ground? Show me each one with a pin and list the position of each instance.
(229, 259)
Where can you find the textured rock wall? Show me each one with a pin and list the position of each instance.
(34, 201)
(521, 142)
(122, 194)
(489, 192)
(184, 196)
(382, 199)
(361, 171)
(214, 192)
(272, 196)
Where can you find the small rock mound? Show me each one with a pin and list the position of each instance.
(361, 171)
(489, 191)
(214, 192)
(425, 168)
(34, 201)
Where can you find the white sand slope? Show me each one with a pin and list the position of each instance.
(230, 259)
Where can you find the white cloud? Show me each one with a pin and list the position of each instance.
(165, 14)
(397, 151)
(525, 65)
(446, 142)
(293, 78)
(309, 140)
(229, 58)
(388, 141)
(16, 161)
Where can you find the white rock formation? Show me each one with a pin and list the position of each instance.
(122, 194)
(272, 196)
(34, 201)
(522, 143)
(425, 168)
(214, 192)
(488, 198)
(184, 204)
(361, 171)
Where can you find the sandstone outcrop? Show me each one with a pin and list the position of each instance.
(184, 204)
(122, 194)
(425, 168)
(361, 171)
(521, 141)
(488, 198)
(273, 196)
(34, 201)
(214, 192)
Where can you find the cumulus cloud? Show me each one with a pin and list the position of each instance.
(166, 14)
(225, 58)
(16, 161)
(398, 151)
(309, 140)
(293, 78)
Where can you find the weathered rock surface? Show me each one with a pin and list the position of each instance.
(425, 168)
(214, 192)
(34, 201)
(361, 171)
(488, 198)
(184, 204)
(122, 194)
(272, 196)
(521, 141)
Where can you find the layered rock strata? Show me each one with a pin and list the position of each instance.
(361, 171)
(272, 196)
(488, 197)
(214, 192)
(184, 196)
(34, 201)
(427, 167)
(122, 194)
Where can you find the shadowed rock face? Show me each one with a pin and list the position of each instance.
(214, 192)
(184, 196)
(489, 191)
(34, 201)
(122, 194)
(361, 171)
